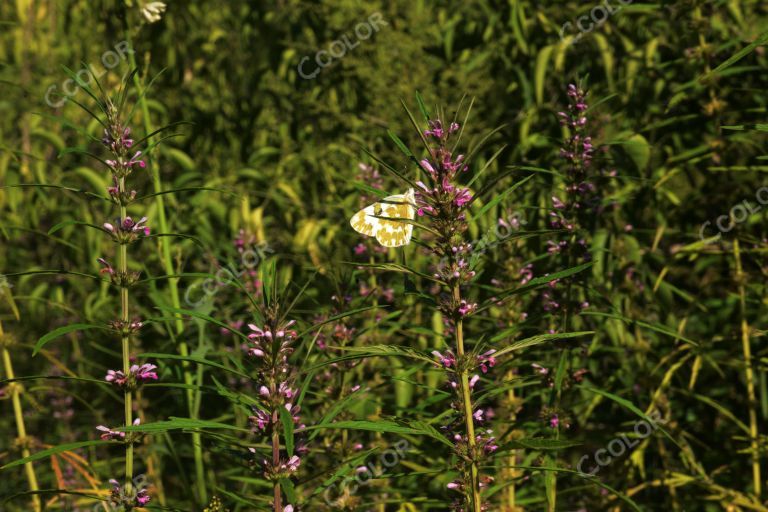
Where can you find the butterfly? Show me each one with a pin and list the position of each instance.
(374, 220)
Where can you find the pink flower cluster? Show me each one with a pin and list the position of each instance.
(260, 338)
(291, 465)
(118, 197)
(123, 167)
(127, 226)
(107, 434)
(282, 397)
(128, 500)
(442, 169)
(281, 469)
(116, 144)
(486, 361)
(137, 374)
(127, 327)
(436, 130)
(426, 196)
(458, 268)
(448, 360)
(465, 308)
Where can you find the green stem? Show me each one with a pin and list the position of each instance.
(749, 374)
(173, 283)
(564, 358)
(473, 494)
(125, 341)
(512, 460)
(278, 496)
(20, 427)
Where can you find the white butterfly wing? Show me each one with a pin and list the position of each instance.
(395, 232)
(374, 220)
(365, 221)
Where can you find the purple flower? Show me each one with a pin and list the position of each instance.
(462, 197)
(144, 372)
(448, 360)
(107, 267)
(487, 360)
(127, 229)
(123, 166)
(292, 465)
(123, 141)
(436, 129)
(113, 435)
(465, 308)
(130, 225)
(127, 500)
(526, 273)
(114, 190)
(488, 443)
(428, 167)
(136, 375)
(295, 414)
(142, 497)
(116, 377)
(120, 198)
(260, 338)
(260, 419)
(286, 391)
(109, 434)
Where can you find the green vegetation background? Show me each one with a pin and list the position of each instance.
(685, 137)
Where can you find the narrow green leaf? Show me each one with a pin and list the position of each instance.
(376, 351)
(53, 451)
(192, 359)
(736, 57)
(400, 144)
(535, 340)
(629, 405)
(422, 106)
(180, 424)
(201, 316)
(61, 331)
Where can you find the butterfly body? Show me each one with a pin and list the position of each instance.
(389, 220)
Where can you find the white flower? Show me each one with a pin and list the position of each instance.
(153, 11)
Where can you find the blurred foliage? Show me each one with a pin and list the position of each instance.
(683, 127)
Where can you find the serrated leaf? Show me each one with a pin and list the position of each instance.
(180, 424)
(535, 340)
(287, 420)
